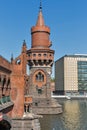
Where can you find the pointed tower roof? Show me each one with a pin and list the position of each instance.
(40, 20)
(24, 47)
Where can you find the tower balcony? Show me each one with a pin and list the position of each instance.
(40, 62)
(40, 56)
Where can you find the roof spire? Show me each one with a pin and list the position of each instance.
(40, 5)
(40, 20)
(11, 57)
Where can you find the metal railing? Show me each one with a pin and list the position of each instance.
(5, 99)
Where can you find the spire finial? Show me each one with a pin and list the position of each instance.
(24, 43)
(11, 57)
(40, 5)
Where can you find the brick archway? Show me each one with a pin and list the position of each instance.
(4, 125)
(5, 122)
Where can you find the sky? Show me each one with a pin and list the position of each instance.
(67, 20)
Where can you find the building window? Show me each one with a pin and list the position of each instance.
(45, 55)
(4, 81)
(29, 55)
(39, 77)
(82, 75)
(26, 108)
(18, 62)
(39, 55)
(36, 104)
(39, 91)
(8, 82)
(34, 55)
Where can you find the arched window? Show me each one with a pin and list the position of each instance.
(4, 81)
(18, 61)
(39, 77)
(8, 82)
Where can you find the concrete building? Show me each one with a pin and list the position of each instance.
(71, 74)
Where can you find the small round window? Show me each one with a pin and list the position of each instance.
(34, 55)
(45, 54)
(18, 62)
(39, 54)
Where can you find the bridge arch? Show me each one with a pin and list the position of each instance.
(5, 123)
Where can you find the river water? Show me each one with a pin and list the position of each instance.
(74, 116)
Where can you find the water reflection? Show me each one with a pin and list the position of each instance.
(74, 117)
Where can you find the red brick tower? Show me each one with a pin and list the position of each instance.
(33, 92)
(40, 59)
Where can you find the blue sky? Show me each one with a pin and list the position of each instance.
(67, 20)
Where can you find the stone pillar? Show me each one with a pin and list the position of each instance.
(26, 108)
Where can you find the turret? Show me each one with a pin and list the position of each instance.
(24, 47)
(40, 33)
(40, 53)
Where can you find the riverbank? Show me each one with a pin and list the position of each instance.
(70, 96)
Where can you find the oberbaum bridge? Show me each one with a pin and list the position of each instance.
(24, 98)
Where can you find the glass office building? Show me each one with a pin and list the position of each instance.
(82, 75)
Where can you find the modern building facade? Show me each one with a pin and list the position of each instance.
(71, 74)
